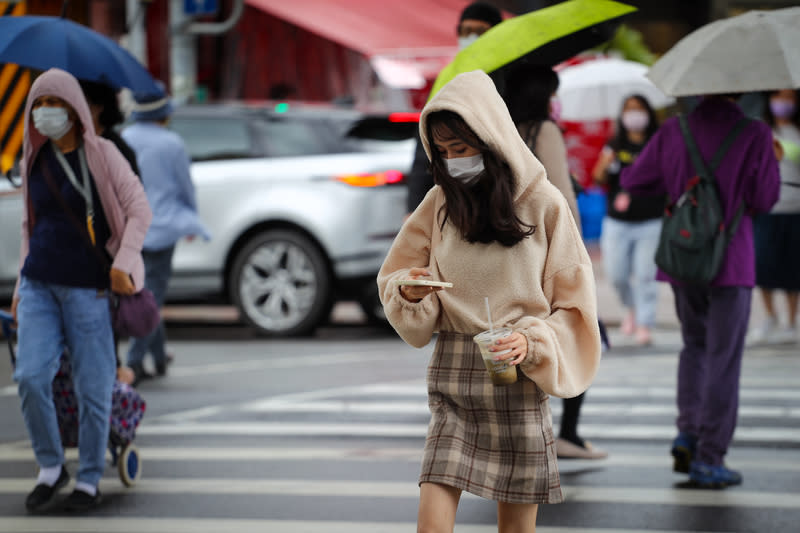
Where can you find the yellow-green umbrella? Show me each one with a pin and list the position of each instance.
(546, 36)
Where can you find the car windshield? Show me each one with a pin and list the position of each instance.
(237, 136)
(210, 138)
(377, 133)
(284, 136)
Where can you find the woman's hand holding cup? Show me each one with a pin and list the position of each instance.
(517, 343)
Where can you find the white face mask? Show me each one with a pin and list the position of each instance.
(465, 169)
(635, 120)
(52, 122)
(463, 42)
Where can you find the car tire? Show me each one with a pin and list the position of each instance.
(371, 304)
(280, 284)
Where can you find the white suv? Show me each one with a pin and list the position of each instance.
(302, 202)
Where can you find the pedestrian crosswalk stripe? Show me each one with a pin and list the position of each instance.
(421, 408)
(419, 389)
(629, 459)
(643, 393)
(29, 524)
(591, 431)
(734, 498)
(249, 365)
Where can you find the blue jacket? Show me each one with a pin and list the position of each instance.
(164, 166)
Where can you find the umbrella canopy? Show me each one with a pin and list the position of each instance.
(755, 51)
(41, 43)
(596, 89)
(546, 36)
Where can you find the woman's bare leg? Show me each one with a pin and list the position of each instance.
(791, 298)
(769, 307)
(437, 508)
(516, 517)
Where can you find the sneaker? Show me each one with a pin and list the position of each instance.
(42, 493)
(80, 502)
(683, 448)
(763, 334)
(161, 368)
(140, 374)
(706, 476)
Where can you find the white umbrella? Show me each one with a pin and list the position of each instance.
(755, 51)
(596, 89)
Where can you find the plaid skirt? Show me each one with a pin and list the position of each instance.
(492, 441)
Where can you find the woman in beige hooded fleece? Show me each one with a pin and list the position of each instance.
(504, 232)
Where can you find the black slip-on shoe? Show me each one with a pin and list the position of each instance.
(140, 374)
(80, 502)
(42, 493)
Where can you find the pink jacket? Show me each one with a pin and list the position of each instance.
(121, 193)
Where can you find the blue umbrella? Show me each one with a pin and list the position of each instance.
(41, 43)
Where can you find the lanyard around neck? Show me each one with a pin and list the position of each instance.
(84, 187)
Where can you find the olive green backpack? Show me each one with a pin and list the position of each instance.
(694, 237)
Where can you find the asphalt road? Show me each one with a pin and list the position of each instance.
(325, 434)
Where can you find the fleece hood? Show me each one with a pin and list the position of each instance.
(473, 96)
(55, 82)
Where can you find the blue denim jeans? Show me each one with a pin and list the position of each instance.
(51, 318)
(629, 250)
(158, 269)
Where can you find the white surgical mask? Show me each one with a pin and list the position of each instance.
(635, 120)
(52, 122)
(463, 42)
(465, 169)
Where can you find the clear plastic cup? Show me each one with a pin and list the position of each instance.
(500, 372)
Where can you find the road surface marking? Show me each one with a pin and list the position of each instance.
(588, 430)
(29, 524)
(734, 498)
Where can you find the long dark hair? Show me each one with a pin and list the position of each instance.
(528, 89)
(621, 133)
(482, 211)
(795, 118)
(105, 96)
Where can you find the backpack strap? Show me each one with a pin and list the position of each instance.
(700, 165)
(704, 171)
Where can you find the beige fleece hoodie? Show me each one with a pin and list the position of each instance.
(542, 287)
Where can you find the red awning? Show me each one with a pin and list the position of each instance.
(418, 27)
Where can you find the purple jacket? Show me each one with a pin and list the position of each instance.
(748, 173)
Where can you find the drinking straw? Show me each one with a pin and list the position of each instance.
(489, 314)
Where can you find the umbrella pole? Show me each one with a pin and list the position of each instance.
(64, 8)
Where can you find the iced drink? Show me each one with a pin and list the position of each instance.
(500, 371)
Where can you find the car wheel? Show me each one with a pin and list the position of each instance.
(280, 284)
(371, 304)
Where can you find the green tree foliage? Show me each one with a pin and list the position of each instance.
(628, 43)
